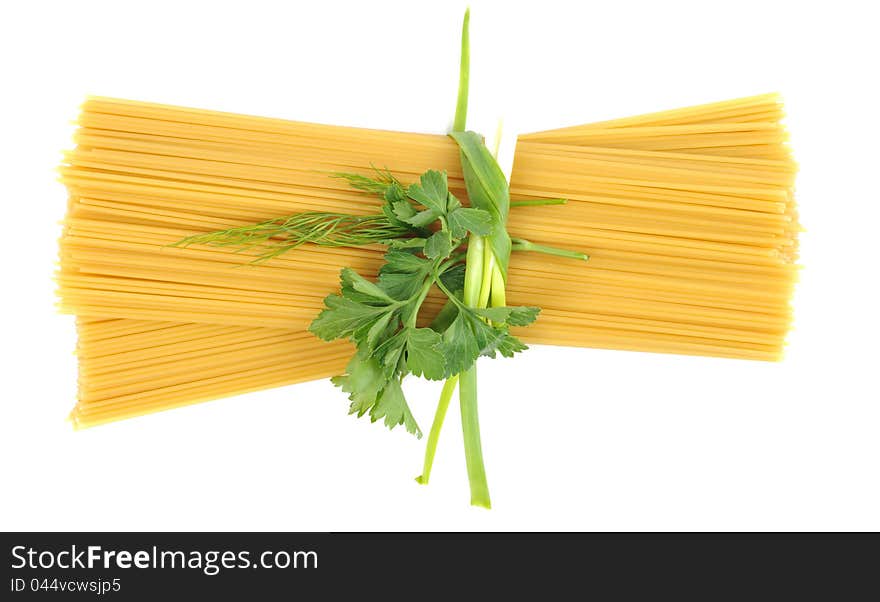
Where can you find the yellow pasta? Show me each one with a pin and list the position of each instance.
(688, 217)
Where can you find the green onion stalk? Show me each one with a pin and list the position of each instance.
(483, 287)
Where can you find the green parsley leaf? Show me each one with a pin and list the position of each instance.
(392, 406)
(509, 345)
(352, 281)
(405, 243)
(423, 353)
(439, 245)
(452, 203)
(403, 274)
(403, 210)
(453, 278)
(422, 218)
(459, 346)
(378, 331)
(394, 193)
(389, 353)
(486, 336)
(468, 336)
(431, 192)
(444, 317)
(388, 211)
(399, 285)
(344, 318)
(364, 381)
(467, 219)
(514, 316)
(401, 261)
(370, 391)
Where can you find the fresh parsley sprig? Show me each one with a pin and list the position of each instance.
(381, 318)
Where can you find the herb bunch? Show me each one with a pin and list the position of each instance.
(381, 318)
(432, 240)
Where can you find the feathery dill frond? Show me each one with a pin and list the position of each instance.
(277, 236)
(378, 184)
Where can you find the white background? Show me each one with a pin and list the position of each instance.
(574, 439)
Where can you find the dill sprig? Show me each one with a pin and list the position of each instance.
(276, 236)
(378, 184)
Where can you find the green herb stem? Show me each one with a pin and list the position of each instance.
(479, 256)
(464, 71)
(489, 267)
(422, 294)
(473, 450)
(474, 281)
(436, 427)
(498, 297)
(473, 274)
(538, 202)
(520, 244)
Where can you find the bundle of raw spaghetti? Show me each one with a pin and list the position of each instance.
(133, 367)
(687, 215)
